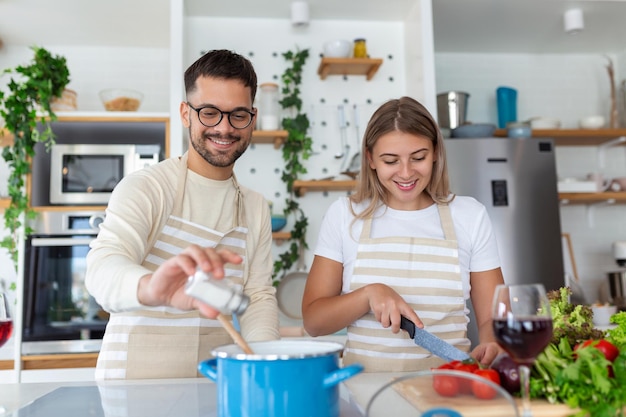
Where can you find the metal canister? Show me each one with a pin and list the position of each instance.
(452, 109)
(360, 48)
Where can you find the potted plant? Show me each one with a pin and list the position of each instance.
(296, 149)
(25, 104)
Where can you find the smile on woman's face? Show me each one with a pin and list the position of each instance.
(404, 166)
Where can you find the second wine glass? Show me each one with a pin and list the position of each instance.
(6, 326)
(522, 325)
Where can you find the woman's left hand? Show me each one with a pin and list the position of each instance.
(485, 353)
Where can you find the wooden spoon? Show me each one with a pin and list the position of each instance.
(235, 334)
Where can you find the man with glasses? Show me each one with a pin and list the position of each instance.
(186, 213)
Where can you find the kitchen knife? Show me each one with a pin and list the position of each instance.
(431, 342)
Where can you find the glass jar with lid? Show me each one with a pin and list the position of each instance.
(269, 108)
(360, 48)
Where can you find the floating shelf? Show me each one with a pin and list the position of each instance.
(349, 66)
(279, 237)
(301, 187)
(277, 137)
(611, 197)
(6, 138)
(575, 137)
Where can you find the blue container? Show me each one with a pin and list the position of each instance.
(506, 98)
(283, 378)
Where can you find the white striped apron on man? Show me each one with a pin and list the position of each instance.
(426, 273)
(164, 342)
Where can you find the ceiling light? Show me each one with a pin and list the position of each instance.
(573, 21)
(299, 13)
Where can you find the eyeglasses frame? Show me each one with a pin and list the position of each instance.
(222, 113)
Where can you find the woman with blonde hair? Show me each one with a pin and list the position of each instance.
(403, 245)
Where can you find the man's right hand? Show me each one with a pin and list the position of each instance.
(166, 285)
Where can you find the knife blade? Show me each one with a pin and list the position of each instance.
(431, 342)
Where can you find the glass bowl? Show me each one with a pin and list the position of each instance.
(121, 99)
(426, 393)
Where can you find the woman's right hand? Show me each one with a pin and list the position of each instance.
(387, 306)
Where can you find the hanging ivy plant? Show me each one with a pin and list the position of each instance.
(27, 102)
(296, 149)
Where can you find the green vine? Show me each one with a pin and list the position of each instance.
(26, 103)
(297, 148)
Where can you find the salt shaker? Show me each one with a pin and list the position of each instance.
(219, 294)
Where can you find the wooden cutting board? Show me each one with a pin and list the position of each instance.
(420, 393)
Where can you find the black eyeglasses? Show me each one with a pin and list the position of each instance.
(211, 116)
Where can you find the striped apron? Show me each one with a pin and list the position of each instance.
(426, 273)
(164, 342)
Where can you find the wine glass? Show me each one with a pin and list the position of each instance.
(522, 325)
(6, 325)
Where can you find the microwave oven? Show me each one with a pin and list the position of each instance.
(87, 173)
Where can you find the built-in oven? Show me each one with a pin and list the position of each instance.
(59, 313)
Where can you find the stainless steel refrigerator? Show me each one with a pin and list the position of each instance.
(516, 181)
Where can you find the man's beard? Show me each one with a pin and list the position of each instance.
(221, 159)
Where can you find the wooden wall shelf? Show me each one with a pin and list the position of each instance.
(349, 66)
(6, 138)
(281, 235)
(576, 137)
(301, 187)
(277, 137)
(610, 197)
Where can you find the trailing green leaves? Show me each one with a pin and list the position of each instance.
(27, 102)
(296, 149)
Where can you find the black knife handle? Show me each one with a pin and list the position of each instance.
(408, 325)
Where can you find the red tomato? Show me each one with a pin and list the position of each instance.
(465, 385)
(484, 391)
(446, 385)
(608, 349)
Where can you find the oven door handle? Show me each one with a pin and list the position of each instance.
(60, 241)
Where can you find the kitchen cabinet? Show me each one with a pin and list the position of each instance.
(349, 66)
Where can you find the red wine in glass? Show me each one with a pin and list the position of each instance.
(6, 328)
(523, 337)
(6, 322)
(522, 325)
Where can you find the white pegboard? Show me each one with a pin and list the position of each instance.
(260, 167)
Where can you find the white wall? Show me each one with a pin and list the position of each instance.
(566, 87)
(260, 167)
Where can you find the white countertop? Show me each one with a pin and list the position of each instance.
(132, 398)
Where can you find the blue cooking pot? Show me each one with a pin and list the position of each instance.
(283, 378)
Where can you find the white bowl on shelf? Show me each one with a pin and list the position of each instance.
(544, 123)
(338, 49)
(591, 122)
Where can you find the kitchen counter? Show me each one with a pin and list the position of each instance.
(179, 397)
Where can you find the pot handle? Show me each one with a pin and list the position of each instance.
(208, 368)
(341, 374)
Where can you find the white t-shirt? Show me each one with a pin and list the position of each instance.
(478, 249)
